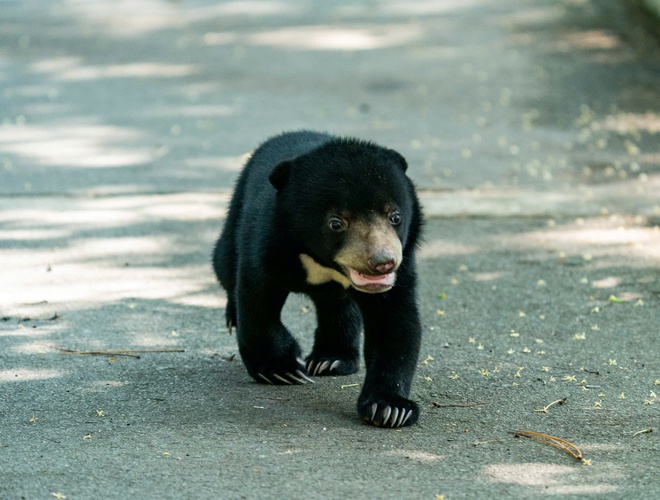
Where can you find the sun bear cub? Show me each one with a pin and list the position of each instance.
(339, 220)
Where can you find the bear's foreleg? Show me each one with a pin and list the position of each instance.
(392, 336)
(337, 338)
(269, 351)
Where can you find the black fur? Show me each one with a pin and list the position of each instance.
(280, 210)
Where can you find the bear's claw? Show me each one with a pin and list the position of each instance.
(303, 378)
(329, 367)
(299, 378)
(385, 415)
(398, 416)
(282, 379)
(322, 366)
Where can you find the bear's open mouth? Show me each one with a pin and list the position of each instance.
(369, 282)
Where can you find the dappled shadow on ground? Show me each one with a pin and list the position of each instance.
(519, 314)
(153, 114)
(169, 96)
(516, 314)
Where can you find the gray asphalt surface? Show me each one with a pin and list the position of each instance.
(531, 129)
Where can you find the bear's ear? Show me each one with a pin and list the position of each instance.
(400, 160)
(279, 177)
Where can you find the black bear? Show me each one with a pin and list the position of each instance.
(339, 220)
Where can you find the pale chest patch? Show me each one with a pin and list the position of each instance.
(318, 274)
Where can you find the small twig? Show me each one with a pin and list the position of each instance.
(346, 386)
(132, 353)
(558, 443)
(643, 431)
(467, 405)
(25, 319)
(96, 353)
(545, 410)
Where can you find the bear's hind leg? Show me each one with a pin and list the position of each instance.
(337, 338)
(230, 313)
(224, 265)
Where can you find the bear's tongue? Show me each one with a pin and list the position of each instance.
(360, 279)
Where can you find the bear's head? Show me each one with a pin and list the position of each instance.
(350, 206)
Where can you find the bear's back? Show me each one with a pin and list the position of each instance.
(283, 147)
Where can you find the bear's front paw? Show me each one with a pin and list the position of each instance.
(277, 374)
(318, 365)
(388, 412)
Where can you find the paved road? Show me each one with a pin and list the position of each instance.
(531, 129)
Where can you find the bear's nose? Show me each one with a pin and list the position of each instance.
(382, 262)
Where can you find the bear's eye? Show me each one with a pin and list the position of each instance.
(337, 225)
(395, 219)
